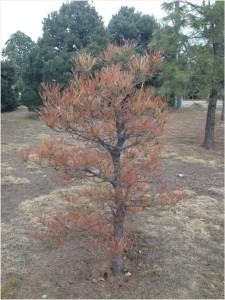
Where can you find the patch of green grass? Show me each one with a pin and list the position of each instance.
(155, 271)
(10, 287)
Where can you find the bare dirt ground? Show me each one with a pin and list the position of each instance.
(172, 253)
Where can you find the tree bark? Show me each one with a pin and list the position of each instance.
(118, 217)
(210, 125)
(222, 115)
(117, 262)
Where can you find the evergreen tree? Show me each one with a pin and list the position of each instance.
(17, 50)
(208, 25)
(196, 32)
(173, 76)
(75, 27)
(117, 125)
(30, 99)
(130, 25)
(9, 97)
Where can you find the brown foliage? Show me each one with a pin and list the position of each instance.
(116, 118)
(24, 154)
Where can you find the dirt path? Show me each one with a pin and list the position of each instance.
(175, 253)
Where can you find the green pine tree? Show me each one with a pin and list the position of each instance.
(192, 42)
(9, 95)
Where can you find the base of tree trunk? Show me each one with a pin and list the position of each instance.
(117, 264)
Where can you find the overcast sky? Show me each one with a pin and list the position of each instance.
(27, 15)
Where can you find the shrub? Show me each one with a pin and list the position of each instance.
(30, 99)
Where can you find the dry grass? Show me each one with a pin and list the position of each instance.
(192, 216)
(219, 191)
(195, 158)
(32, 167)
(192, 232)
(9, 180)
(16, 238)
(6, 169)
(18, 232)
(184, 136)
(53, 202)
(13, 146)
(45, 203)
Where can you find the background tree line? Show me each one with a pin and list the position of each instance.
(75, 27)
(193, 57)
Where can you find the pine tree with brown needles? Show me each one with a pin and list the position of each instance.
(116, 118)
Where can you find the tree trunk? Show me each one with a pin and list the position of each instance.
(210, 120)
(119, 214)
(222, 115)
(117, 263)
(210, 125)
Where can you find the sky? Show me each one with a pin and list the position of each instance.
(27, 15)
